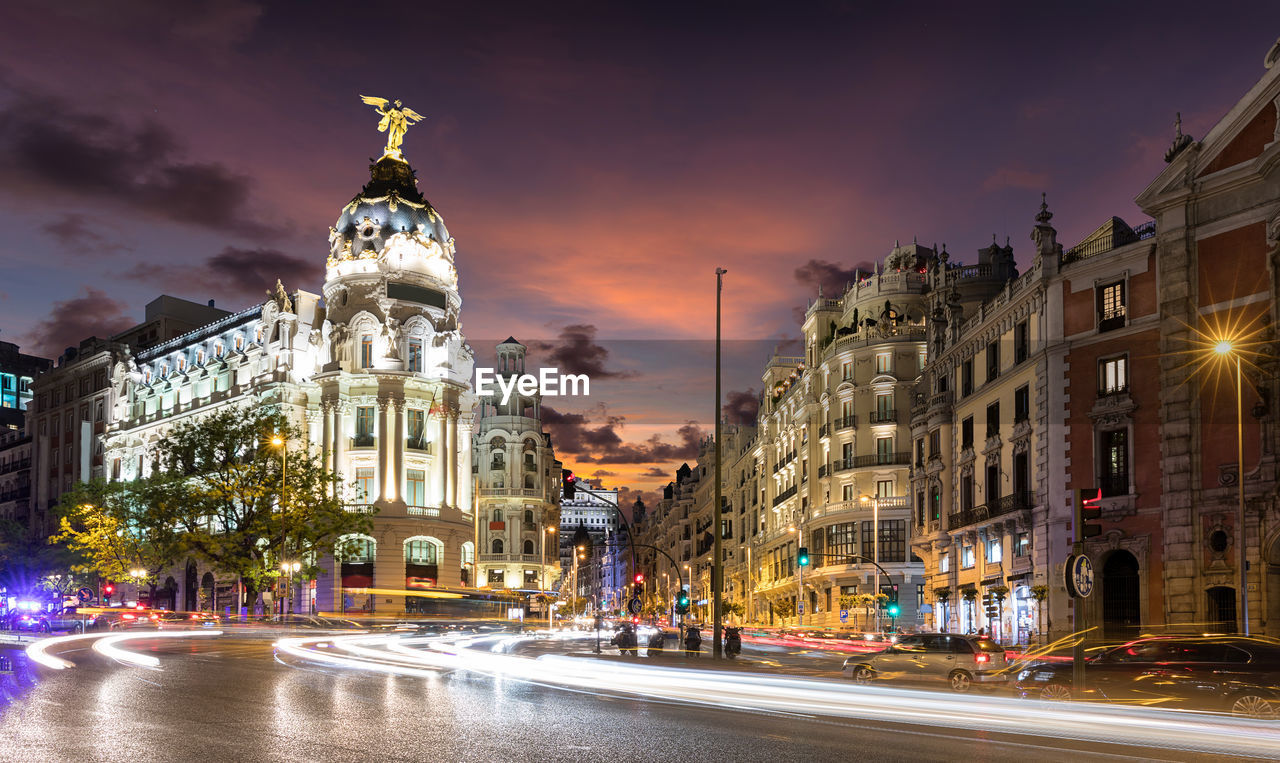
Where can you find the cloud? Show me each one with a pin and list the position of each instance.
(656, 472)
(576, 435)
(598, 473)
(50, 145)
(577, 352)
(244, 273)
(741, 406)
(1008, 177)
(76, 233)
(70, 321)
(831, 277)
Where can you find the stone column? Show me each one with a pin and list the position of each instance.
(397, 449)
(438, 458)
(386, 487)
(326, 434)
(451, 466)
(465, 497)
(340, 410)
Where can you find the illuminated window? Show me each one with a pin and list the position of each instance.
(415, 487)
(995, 550)
(421, 551)
(364, 483)
(366, 350)
(967, 559)
(415, 355)
(884, 362)
(1111, 306)
(1113, 375)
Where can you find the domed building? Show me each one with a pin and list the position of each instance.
(375, 370)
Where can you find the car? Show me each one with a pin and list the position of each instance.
(1231, 674)
(77, 619)
(960, 661)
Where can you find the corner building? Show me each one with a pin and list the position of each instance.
(378, 376)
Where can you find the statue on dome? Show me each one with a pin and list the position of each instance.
(395, 121)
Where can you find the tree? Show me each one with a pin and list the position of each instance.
(226, 482)
(784, 608)
(970, 594)
(1040, 593)
(942, 595)
(120, 527)
(733, 609)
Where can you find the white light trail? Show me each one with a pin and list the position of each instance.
(106, 646)
(1100, 723)
(39, 654)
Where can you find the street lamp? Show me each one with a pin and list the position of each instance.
(288, 568)
(137, 573)
(1226, 350)
(875, 551)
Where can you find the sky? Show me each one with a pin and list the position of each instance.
(595, 161)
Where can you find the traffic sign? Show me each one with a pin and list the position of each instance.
(634, 606)
(844, 615)
(85, 593)
(800, 609)
(1079, 576)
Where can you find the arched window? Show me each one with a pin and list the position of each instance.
(357, 549)
(528, 547)
(528, 515)
(497, 545)
(468, 553)
(423, 549)
(497, 515)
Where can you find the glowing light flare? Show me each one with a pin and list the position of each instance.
(38, 652)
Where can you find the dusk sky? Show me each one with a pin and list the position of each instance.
(595, 161)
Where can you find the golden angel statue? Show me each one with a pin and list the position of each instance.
(395, 121)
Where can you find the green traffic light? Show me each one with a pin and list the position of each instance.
(894, 610)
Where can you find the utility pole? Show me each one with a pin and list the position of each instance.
(717, 563)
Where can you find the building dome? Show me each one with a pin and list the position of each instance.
(389, 204)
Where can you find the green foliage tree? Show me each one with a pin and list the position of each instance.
(225, 480)
(733, 609)
(119, 527)
(784, 608)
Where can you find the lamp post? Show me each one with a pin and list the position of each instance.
(137, 573)
(546, 531)
(875, 551)
(717, 521)
(1228, 351)
(288, 568)
(799, 531)
(278, 441)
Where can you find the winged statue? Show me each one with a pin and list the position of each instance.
(395, 121)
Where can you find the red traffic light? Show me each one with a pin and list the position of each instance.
(639, 577)
(108, 589)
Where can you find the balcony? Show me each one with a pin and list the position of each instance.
(1019, 501)
(883, 417)
(1114, 390)
(847, 422)
(362, 441)
(359, 508)
(418, 443)
(785, 494)
(824, 430)
(876, 459)
(523, 558)
(423, 511)
(530, 466)
(823, 471)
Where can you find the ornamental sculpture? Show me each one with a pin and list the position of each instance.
(395, 121)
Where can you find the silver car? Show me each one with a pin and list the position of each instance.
(961, 661)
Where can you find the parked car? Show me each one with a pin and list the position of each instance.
(961, 661)
(1233, 674)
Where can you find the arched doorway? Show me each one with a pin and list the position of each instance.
(1221, 610)
(1121, 610)
(206, 592)
(190, 593)
(170, 594)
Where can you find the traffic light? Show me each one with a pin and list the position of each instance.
(108, 589)
(639, 579)
(803, 558)
(570, 485)
(891, 608)
(682, 603)
(989, 606)
(1088, 512)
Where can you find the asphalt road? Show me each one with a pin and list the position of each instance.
(233, 698)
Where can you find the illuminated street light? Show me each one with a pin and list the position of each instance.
(1226, 349)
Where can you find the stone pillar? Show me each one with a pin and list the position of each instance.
(326, 435)
(386, 485)
(466, 500)
(451, 467)
(340, 410)
(438, 458)
(397, 446)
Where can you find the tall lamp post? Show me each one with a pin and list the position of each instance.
(138, 574)
(717, 521)
(1228, 351)
(279, 442)
(875, 552)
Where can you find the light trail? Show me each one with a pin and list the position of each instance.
(105, 645)
(763, 692)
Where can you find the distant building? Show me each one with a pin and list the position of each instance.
(17, 373)
(15, 475)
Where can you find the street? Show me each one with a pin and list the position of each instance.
(235, 697)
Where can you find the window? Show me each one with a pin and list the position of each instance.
(884, 362)
(992, 486)
(967, 560)
(497, 515)
(846, 370)
(1022, 545)
(528, 548)
(993, 419)
(944, 562)
(920, 507)
(846, 493)
(966, 492)
(884, 450)
(884, 407)
(415, 355)
(1113, 376)
(358, 550)
(497, 578)
(366, 350)
(920, 452)
(496, 545)
(993, 360)
(239, 343)
(893, 540)
(1021, 342)
(1111, 306)
(421, 551)
(884, 488)
(364, 425)
(841, 541)
(935, 443)
(417, 428)
(1114, 471)
(364, 483)
(966, 433)
(218, 349)
(415, 487)
(1021, 404)
(995, 550)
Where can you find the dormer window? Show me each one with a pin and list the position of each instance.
(217, 350)
(239, 343)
